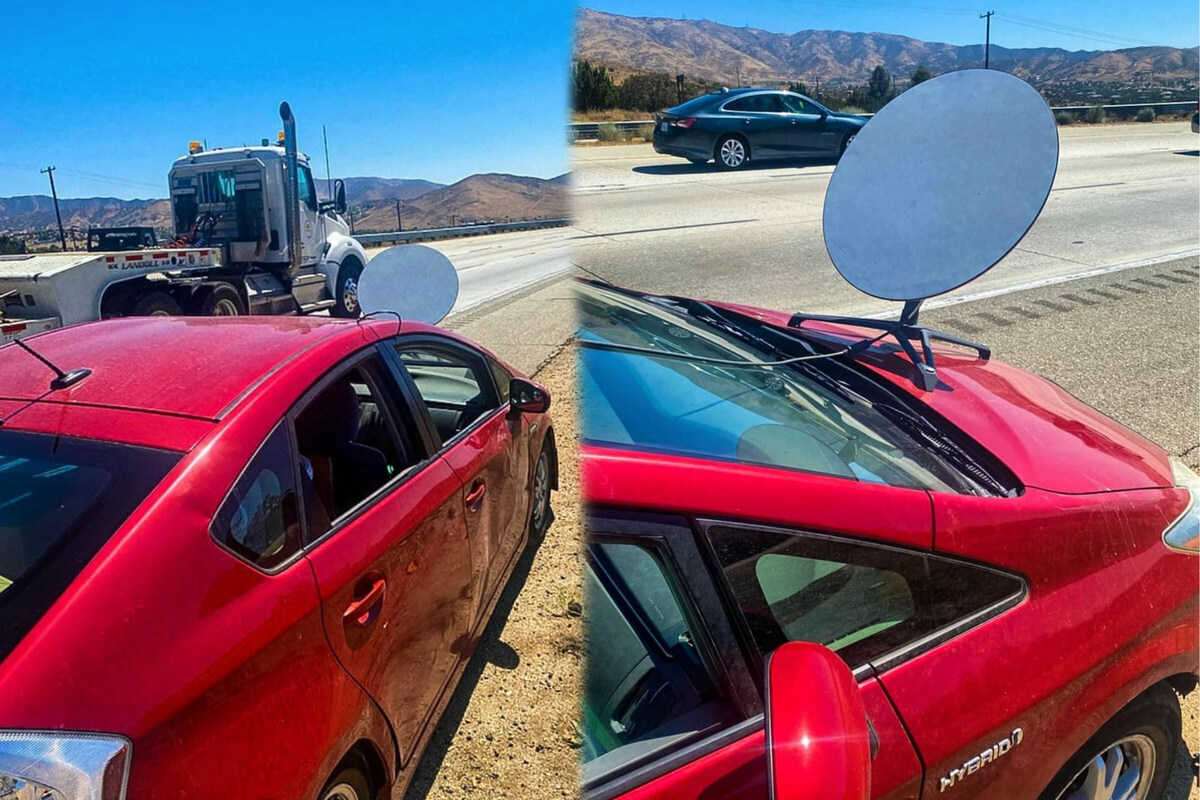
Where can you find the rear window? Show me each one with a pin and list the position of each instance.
(695, 104)
(60, 500)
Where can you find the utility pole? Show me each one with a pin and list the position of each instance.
(987, 42)
(679, 87)
(399, 224)
(738, 70)
(62, 236)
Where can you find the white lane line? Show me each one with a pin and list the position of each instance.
(1041, 282)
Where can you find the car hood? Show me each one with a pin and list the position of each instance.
(1046, 436)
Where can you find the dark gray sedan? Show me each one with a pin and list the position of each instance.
(736, 126)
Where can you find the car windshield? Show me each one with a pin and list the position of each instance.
(786, 416)
(60, 500)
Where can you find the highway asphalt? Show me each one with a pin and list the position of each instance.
(1122, 193)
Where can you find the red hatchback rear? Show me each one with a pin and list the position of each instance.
(1010, 576)
(251, 555)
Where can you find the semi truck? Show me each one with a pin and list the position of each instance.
(251, 237)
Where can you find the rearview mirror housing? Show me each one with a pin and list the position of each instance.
(818, 740)
(339, 196)
(527, 397)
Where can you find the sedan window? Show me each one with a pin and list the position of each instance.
(455, 385)
(795, 105)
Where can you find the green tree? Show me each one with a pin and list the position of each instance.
(799, 88)
(592, 88)
(879, 88)
(647, 91)
(921, 75)
(11, 246)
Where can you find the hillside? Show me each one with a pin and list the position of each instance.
(372, 202)
(710, 51)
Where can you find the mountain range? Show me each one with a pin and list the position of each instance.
(372, 201)
(707, 50)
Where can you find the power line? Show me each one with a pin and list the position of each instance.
(1071, 30)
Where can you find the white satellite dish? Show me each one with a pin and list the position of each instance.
(941, 184)
(412, 280)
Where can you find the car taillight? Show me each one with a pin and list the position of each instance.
(1184, 533)
(684, 123)
(63, 766)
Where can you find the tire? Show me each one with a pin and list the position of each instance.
(154, 304)
(217, 300)
(1148, 729)
(348, 783)
(846, 140)
(346, 304)
(541, 514)
(726, 153)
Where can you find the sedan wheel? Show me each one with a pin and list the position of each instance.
(731, 153)
(1122, 772)
(538, 517)
(342, 791)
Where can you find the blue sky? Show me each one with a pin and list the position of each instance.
(1169, 22)
(111, 94)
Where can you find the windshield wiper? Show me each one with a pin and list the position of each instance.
(928, 434)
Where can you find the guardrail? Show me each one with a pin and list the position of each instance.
(591, 130)
(432, 234)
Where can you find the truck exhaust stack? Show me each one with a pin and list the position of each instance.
(293, 185)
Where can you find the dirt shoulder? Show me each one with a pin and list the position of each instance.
(511, 730)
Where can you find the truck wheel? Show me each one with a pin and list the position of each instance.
(217, 300)
(154, 304)
(347, 289)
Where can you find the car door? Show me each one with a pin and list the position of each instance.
(486, 447)
(806, 129)
(762, 128)
(386, 537)
(672, 708)
(312, 233)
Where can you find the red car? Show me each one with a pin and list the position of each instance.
(250, 557)
(1009, 576)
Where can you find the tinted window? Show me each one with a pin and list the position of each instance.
(455, 384)
(260, 519)
(349, 445)
(762, 103)
(60, 501)
(859, 600)
(696, 104)
(795, 105)
(646, 686)
(785, 416)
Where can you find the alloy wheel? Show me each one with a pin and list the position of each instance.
(541, 491)
(1122, 772)
(733, 153)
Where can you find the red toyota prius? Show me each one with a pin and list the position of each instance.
(250, 557)
(1007, 577)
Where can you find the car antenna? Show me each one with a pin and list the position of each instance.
(63, 379)
(970, 185)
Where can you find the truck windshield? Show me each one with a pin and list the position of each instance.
(60, 501)
(790, 417)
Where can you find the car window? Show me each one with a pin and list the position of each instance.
(349, 444)
(503, 379)
(646, 686)
(456, 385)
(795, 105)
(260, 520)
(771, 103)
(859, 600)
(740, 104)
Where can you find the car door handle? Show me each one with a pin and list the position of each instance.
(475, 498)
(365, 608)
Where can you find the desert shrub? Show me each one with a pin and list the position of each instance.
(1064, 117)
(647, 91)
(1094, 114)
(646, 132)
(1145, 115)
(607, 132)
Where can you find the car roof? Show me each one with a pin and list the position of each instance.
(184, 366)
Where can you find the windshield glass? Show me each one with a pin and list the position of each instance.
(781, 416)
(60, 500)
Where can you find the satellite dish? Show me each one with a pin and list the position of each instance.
(940, 185)
(413, 280)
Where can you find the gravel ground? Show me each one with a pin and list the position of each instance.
(511, 730)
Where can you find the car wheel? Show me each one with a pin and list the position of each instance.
(154, 304)
(347, 289)
(1130, 758)
(541, 515)
(347, 784)
(846, 140)
(732, 152)
(218, 300)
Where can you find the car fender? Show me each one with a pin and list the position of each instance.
(340, 246)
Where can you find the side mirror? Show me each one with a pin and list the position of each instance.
(527, 397)
(339, 196)
(818, 741)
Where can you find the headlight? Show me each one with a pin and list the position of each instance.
(1184, 533)
(63, 766)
